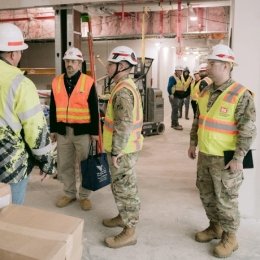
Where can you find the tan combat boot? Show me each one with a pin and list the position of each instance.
(214, 231)
(226, 246)
(85, 204)
(113, 222)
(64, 201)
(126, 238)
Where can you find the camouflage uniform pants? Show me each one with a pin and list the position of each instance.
(219, 191)
(124, 188)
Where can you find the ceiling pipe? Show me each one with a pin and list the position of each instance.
(179, 23)
(132, 6)
(27, 19)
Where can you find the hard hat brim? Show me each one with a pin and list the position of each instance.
(22, 47)
(213, 57)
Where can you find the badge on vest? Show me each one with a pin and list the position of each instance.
(223, 111)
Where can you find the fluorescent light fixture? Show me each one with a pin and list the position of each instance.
(191, 13)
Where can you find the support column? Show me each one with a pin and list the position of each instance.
(245, 43)
(67, 34)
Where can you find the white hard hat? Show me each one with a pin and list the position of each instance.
(178, 67)
(123, 53)
(11, 38)
(203, 66)
(196, 70)
(73, 54)
(222, 52)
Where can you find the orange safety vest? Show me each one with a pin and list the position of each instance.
(74, 108)
(135, 141)
(217, 127)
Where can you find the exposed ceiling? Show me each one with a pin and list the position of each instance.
(120, 13)
(130, 5)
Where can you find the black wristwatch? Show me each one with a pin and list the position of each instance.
(114, 155)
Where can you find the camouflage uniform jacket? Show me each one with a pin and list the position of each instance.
(245, 117)
(123, 105)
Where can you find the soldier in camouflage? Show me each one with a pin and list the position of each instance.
(225, 121)
(122, 142)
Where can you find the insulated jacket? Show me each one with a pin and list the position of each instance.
(135, 140)
(217, 127)
(24, 136)
(74, 108)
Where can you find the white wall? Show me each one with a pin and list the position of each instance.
(246, 45)
(162, 50)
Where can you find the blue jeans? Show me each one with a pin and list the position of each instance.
(18, 191)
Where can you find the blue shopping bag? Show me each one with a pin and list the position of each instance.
(95, 170)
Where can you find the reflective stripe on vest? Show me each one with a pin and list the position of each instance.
(7, 118)
(217, 127)
(73, 109)
(208, 80)
(135, 140)
(178, 86)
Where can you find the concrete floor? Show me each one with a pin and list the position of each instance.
(171, 211)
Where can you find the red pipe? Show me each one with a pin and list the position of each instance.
(91, 50)
(123, 12)
(161, 23)
(27, 19)
(178, 34)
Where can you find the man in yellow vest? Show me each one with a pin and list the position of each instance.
(225, 122)
(186, 79)
(123, 141)
(175, 90)
(24, 136)
(194, 91)
(74, 122)
(204, 79)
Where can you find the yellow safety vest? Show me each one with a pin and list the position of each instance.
(73, 109)
(208, 80)
(178, 86)
(195, 90)
(217, 127)
(20, 110)
(186, 83)
(135, 141)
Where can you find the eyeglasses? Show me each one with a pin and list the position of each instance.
(71, 61)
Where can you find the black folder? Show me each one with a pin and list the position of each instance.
(247, 162)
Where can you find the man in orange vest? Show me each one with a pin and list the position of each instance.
(123, 141)
(224, 122)
(74, 121)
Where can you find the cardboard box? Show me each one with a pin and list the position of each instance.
(22, 247)
(5, 195)
(44, 224)
(77, 253)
